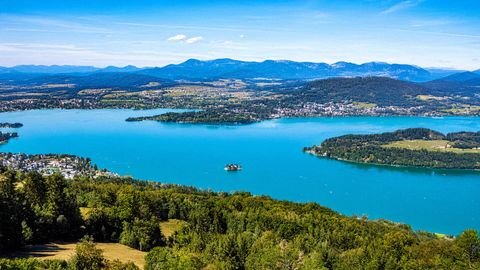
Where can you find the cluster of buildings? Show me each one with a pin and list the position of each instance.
(45, 103)
(343, 109)
(67, 165)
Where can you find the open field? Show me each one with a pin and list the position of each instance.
(111, 251)
(430, 98)
(171, 226)
(64, 251)
(365, 105)
(430, 145)
(463, 109)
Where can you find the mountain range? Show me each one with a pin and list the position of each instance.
(194, 69)
(462, 83)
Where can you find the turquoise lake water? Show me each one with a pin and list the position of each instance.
(272, 157)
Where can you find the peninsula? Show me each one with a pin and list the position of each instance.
(5, 136)
(416, 147)
(220, 117)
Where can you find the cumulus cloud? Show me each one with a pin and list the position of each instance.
(401, 6)
(177, 38)
(193, 40)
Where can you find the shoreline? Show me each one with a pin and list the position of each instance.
(394, 165)
(108, 173)
(181, 110)
(158, 176)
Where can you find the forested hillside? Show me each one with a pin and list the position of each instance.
(221, 231)
(379, 90)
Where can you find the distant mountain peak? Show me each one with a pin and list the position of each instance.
(190, 62)
(129, 68)
(462, 77)
(342, 64)
(375, 63)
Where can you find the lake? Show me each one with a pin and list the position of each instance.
(271, 154)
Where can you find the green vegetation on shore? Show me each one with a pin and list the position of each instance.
(418, 147)
(208, 230)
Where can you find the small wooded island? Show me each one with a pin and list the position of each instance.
(11, 125)
(416, 147)
(214, 116)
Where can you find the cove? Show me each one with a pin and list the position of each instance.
(270, 153)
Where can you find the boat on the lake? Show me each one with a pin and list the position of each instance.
(232, 167)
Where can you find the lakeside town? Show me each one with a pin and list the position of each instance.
(69, 166)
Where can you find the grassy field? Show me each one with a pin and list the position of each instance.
(430, 97)
(111, 251)
(365, 105)
(430, 145)
(170, 226)
(463, 109)
(64, 251)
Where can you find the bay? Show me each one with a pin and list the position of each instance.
(271, 155)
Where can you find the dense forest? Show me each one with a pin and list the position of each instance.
(221, 231)
(379, 90)
(371, 149)
(464, 140)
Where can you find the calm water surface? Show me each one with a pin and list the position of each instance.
(272, 157)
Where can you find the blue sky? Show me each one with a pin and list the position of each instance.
(428, 33)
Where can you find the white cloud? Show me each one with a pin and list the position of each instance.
(185, 39)
(401, 6)
(193, 40)
(242, 36)
(177, 38)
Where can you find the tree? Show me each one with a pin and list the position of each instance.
(34, 188)
(142, 234)
(117, 265)
(282, 256)
(470, 244)
(61, 207)
(87, 256)
(10, 213)
(161, 258)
